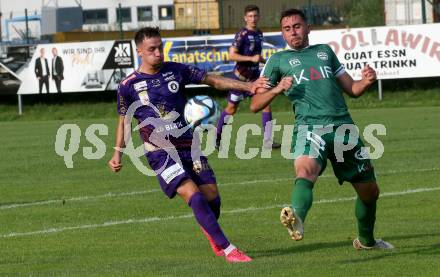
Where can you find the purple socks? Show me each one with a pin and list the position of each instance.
(267, 125)
(215, 204)
(220, 124)
(207, 219)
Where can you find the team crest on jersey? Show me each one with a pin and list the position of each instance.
(140, 86)
(173, 86)
(143, 96)
(361, 154)
(322, 56)
(294, 62)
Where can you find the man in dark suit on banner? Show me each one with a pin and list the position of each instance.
(42, 72)
(57, 69)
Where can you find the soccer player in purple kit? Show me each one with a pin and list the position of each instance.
(246, 51)
(159, 86)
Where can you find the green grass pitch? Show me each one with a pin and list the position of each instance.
(88, 221)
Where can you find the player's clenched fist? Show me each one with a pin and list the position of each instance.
(369, 74)
(284, 84)
(115, 163)
(261, 82)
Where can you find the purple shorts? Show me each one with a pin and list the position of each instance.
(173, 174)
(236, 96)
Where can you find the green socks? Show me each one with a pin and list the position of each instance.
(302, 197)
(366, 216)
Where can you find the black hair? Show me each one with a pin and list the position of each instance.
(146, 32)
(291, 12)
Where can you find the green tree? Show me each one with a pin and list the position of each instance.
(365, 13)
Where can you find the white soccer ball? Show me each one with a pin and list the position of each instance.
(201, 110)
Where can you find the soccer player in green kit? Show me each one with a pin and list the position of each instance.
(313, 80)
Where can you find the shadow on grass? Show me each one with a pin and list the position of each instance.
(421, 249)
(303, 247)
(431, 250)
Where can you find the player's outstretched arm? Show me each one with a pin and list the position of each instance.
(235, 56)
(115, 163)
(357, 88)
(223, 83)
(263, 97)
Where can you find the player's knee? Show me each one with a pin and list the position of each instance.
(375, 193)
(306, 167)
(307, 173)
(307, 170)
(213, 192)
(370, 193)
(209, 191)
(187, 189)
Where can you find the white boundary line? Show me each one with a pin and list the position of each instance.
(141, 192)
(79, 198)
(235, 211)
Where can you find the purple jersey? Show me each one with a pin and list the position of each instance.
(248, 43)
(160, 94)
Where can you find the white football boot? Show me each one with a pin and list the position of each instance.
(380, 244)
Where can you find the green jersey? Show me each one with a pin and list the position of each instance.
(315, 93)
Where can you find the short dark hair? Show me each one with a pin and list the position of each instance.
(146, 32)
(251, 8)
(291, 12)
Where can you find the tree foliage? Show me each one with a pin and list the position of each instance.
(365, 13)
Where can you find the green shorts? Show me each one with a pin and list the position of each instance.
(342, 147)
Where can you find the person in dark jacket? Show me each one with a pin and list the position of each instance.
(42, 71)
(57, 69)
